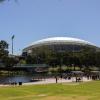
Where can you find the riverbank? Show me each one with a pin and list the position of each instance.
(53, 80)
(49, 81)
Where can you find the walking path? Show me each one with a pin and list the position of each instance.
(53, 80)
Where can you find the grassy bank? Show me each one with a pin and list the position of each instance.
(66, 91)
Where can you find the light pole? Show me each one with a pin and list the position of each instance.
(12, 38)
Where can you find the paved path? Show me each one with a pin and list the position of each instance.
(53, 80)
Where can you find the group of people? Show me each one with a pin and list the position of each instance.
(15, 83)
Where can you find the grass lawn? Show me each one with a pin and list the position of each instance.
(64, 91)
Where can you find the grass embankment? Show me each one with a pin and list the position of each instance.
(66, 91)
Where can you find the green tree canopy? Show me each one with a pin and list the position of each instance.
(3, 49)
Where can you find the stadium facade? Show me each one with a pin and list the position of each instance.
(59, 44)
(65, 54)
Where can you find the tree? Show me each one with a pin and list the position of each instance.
(29, 59)
(4, 57)
(3, 45)
(3, 49)
(10, 61)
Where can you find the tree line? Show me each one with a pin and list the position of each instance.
(87, 57)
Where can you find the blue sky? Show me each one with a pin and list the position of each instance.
(31, 20)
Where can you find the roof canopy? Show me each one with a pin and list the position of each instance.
(58, 40)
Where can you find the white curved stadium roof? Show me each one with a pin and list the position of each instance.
(59, 40)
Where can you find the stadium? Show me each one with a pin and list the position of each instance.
(70, 50)
(59, 44)
(66, 54)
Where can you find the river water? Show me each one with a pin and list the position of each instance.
(17, 79)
